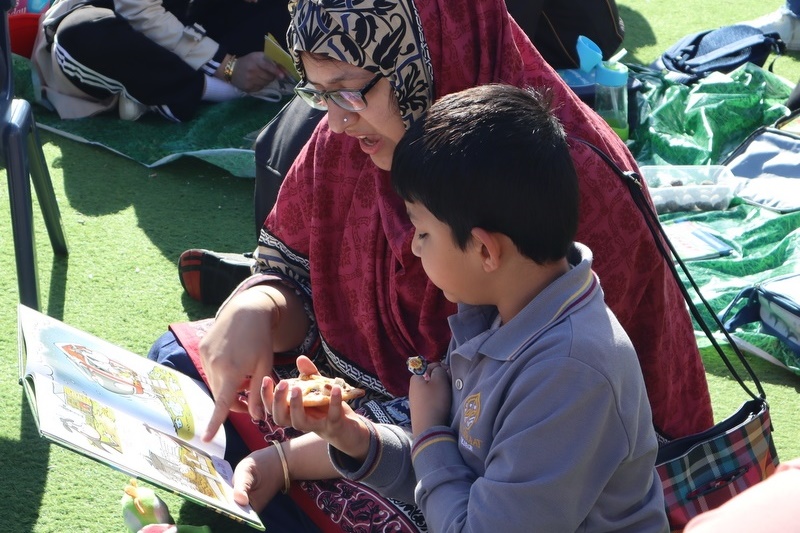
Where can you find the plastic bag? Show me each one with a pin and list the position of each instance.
(702, 124)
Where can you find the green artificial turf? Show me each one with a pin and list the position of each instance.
(221, 134)
(126, 226)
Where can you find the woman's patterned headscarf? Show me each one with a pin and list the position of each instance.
(377, 35)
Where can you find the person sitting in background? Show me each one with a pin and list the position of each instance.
(145, 55)
(498, 239)
(785, 21)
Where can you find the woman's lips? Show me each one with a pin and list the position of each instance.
(370, 145)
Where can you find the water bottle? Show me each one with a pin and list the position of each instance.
(611, 96)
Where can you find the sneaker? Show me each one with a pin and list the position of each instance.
(210, 277)
(784, 23)
(130, 109)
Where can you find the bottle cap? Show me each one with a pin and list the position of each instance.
(589, 54)
(611, 74)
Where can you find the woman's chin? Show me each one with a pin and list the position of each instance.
(382, 161)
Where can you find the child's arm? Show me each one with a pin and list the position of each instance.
(429, 398)
(377, 455)
(336, 423)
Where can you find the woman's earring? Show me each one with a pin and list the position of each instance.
(344, 120)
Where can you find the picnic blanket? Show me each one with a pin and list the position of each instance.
(765, 244)
(221, 134)
(700, 125)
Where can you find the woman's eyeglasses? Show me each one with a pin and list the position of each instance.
(347, 99)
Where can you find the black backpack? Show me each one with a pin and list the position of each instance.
(697, 55)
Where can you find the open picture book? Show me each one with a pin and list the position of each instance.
(125, 411)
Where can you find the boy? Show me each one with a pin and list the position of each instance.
(547, 426)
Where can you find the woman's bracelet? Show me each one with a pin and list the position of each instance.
(285, 464)
(227, 73)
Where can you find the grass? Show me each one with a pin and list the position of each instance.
(126, 226)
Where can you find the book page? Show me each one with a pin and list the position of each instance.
(124, 411)
(87, 426)
(159, 397)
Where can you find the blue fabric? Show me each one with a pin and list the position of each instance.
(794, 7)
(281, 514)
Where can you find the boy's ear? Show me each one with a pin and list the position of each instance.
(490, 247)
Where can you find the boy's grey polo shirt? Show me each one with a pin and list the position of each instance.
(551, 422)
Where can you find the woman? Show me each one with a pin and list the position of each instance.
(340, 232)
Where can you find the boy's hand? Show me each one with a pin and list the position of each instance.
(429, 399)
(336, 423)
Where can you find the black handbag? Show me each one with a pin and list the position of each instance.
(702, 471)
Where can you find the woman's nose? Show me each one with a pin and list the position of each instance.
(339, 119)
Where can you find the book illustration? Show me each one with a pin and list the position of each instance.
(107, 373)
(81, 416)
(116, 378)
(693, 242)
(124, 411)
(187, 466)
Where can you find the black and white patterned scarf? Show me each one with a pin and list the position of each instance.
(377, 35)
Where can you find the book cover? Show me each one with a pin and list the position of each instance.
(276, 53)
(124, 411)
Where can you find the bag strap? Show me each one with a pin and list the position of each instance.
(634, 184)
(747, 314)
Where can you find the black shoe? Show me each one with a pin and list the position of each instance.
(210, 277)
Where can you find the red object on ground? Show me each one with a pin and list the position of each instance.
(22, 29)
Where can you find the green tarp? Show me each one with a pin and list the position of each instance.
(221, 134)
(700, 125)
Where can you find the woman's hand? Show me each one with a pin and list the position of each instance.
(336, 423)
(429, 398)
(238, 350)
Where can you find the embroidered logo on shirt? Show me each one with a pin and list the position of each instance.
(472, 411)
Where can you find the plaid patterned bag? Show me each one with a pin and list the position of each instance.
(702, 471)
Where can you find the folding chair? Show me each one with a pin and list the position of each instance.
(24, 161)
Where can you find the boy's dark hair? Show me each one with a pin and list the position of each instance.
(493, 157)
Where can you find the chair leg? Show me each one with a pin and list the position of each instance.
(43, 186)
(19, 192)
(25, 163)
